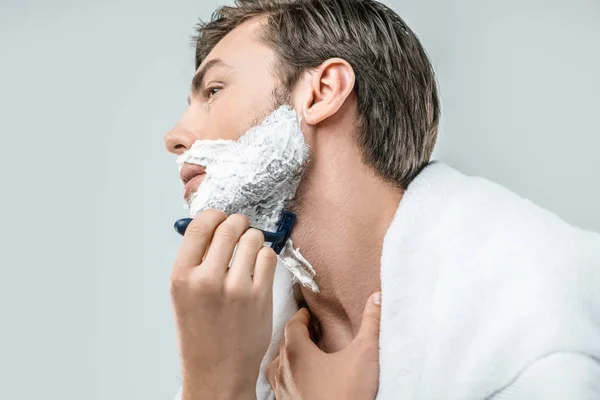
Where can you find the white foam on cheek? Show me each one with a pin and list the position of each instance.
(256, 175)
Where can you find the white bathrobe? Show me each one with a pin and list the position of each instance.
(485, 296)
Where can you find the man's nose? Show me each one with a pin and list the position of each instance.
(179, 139)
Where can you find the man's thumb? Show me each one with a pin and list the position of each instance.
(369, 327)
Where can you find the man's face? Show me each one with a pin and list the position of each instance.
(247, 164)
(235, 86)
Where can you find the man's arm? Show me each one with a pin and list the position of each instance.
(567, 375)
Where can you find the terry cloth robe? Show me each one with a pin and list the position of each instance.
(485, 296)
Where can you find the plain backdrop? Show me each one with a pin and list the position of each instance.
(89, 193)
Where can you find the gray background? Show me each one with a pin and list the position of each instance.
(89, 194)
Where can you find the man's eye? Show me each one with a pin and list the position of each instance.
(212, 91)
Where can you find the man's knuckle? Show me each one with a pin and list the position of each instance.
(292, 352)
(227, 231)
(177, 283)
(263, 293)
(197, 228)
(252, 238)
(372, 319)
(213, 214)
(204, 222)
(268, 255)
(238, 219)
(208, 278)
(237, 290)
(288, 331)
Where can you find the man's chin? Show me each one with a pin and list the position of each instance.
(194, 207)
(189, 199)
(189, 202)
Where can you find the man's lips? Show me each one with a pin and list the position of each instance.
(192, 185)
(191, 175)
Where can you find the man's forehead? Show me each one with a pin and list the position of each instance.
(241, 51)
(213, 63)
(237, 44)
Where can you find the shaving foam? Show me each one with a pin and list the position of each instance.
(256, 175)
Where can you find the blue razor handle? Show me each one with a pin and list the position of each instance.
(277, 239)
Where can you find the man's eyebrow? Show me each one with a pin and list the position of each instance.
(198, 79)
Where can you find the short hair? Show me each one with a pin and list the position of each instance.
(397, 102)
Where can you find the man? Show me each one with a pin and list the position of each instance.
(372, 214)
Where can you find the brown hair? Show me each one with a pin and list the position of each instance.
(397, 102)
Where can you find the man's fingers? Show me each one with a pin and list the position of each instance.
(197, 238)
(245, 256)
(271, 372)
(369, 327)
(296, 330)
(264, 270)
(224, 241)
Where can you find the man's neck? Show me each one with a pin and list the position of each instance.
(340, 230)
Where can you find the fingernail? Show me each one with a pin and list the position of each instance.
(377, 298)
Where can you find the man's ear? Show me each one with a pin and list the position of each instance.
(330, 85)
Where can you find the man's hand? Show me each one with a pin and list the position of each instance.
(303, 371)
(223, 315)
